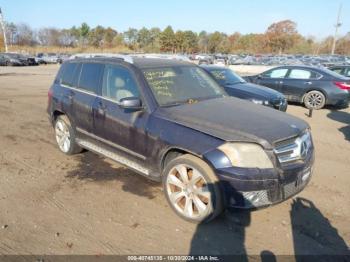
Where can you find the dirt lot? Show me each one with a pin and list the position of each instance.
(54, 204)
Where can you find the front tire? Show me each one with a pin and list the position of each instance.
(314, 100)
(192, 189)
(65, 136)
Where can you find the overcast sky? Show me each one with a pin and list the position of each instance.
(314, 17)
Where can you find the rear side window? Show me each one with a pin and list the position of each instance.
(302, 74)
(347, 72)
(337, 70)
(68, 73)
(90, 76)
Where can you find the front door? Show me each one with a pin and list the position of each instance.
(122, 129)
(273, 78)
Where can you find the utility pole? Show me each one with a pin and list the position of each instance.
(3, 30)
(337, 25)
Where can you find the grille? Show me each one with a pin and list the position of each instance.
(295, 149)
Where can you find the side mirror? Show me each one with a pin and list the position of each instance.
(259, 77)
(133, 103)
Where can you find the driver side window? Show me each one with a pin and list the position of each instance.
(118, 83)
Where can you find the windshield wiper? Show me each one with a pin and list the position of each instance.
(190, 101)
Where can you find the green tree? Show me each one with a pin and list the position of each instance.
(143, 37)
(118, 40)
(179, 41)
(96, 36)
(167, 39)
(109, 34)
(214, 41)
(190, 44)
(154, 39)
(84, 33)
(203, 41)
(130, 38)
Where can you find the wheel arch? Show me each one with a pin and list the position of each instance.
(314, 89)
(173, 152)
(56, 113)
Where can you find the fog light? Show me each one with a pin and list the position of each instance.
(256, 198)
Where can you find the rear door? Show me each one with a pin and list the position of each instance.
(122, 129)
(297, 82)
(84, 94)
(273, 78)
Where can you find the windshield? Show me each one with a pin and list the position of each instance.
(335, 74)
(181, 84)
(226, 76)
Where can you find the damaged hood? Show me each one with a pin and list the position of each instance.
(232, 119)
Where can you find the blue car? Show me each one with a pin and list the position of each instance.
(236, 86)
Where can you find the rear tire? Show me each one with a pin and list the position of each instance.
(314, 100)
(192, 189)
(65, 136)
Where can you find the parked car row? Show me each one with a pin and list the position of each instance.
(51, 58)
(274, 60)
(236, 86)
(18, 59)
(14, 59)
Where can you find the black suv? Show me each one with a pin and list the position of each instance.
(170, 121)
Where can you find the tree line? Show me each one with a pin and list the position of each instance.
(279, 37)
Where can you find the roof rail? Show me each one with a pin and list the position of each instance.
(164, 56)
(126, 58)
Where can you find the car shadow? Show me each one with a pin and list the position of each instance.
(222, 236)
(94, 168)
(314, 237)
(342, 117)
(313, 234)
(225, 237)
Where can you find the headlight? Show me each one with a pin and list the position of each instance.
(247, 155)
(260, 102)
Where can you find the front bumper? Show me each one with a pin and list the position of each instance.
(253, 188)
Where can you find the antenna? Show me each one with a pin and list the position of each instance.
(3, 30)
(337, 25)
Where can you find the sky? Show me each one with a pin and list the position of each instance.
(313, 17)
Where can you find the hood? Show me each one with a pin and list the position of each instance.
(232, 119)
(256, 91)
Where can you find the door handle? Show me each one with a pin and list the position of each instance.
(308, 83)
(70, 96)
(101, 108)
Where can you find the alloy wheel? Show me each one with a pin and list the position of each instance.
(62, 136)
(314, 100)
(188, 191)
